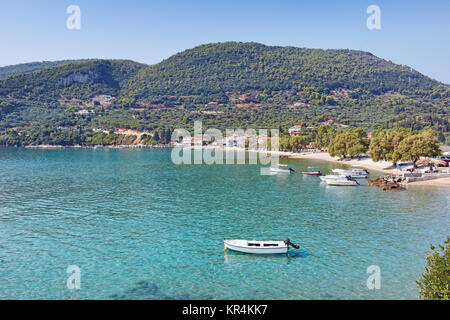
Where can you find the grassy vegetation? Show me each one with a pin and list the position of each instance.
(434, 283)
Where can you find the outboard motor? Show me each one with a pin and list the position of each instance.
(291, 170)
(289, 243)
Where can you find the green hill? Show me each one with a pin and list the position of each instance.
(231, 67)
(24, 68)
(226, 85)
(75, 80)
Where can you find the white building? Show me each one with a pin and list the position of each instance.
(295, 130)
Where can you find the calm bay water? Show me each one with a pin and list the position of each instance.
(140, 227)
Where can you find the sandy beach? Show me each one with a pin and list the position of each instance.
(367, 163)
(442, 182)
(383, 166)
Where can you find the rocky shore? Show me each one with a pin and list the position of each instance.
(389, 182)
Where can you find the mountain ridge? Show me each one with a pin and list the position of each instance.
(227, 84)
(30, 67)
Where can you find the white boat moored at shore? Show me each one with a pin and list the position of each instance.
(356, 172)
(341, 182)
(330, 176)
(281, 168)
(258, 247)
(337, 180)
(314, 172)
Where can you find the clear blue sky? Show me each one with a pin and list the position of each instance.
(414, 33)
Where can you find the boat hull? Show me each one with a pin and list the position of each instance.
(241, 247)
(283, 171)
(335, 182)
(355, 173)
(330, 177)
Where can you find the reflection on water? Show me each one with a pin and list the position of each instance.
(140, 227)
(238, 257)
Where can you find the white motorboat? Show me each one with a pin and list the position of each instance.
(281, 168)
(258, 247)
(330, 176)
(314, 172)
(341, 182)
(356, 172)
(338, 180)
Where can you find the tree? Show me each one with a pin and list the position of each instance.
(422, 144)
(434, 283)
(353, 142)
(247, 143)
(357, 142)
(285, 143)
(385, 142)
(324, 136)
(127, 102)
(338, 146)
(156, 136)
(299, 142)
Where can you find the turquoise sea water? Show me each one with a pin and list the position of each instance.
(140, 227)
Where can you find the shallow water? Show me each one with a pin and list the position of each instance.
(140, 227)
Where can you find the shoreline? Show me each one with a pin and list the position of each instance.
(440, 182)
(367, 163)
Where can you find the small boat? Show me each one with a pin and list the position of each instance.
(330, 176)
(281, 168)
(342, 182)
(356, 172)
(258, 247)
(312, 173)
(316, 172)
(337, 180)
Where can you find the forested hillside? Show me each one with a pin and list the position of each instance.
(226, 85)
(215, 69)
(30, 67)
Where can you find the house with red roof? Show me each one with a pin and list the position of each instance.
(295, 130)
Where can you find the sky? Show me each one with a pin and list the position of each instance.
(413, 33)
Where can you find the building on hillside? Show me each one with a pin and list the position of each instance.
(84, 111)
(327, 123)
(212, 104)
(235, 141)
(295, 130)
(333, 123)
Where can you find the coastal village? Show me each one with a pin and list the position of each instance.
(222, 159)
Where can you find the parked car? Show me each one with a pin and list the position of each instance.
(444, 158)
